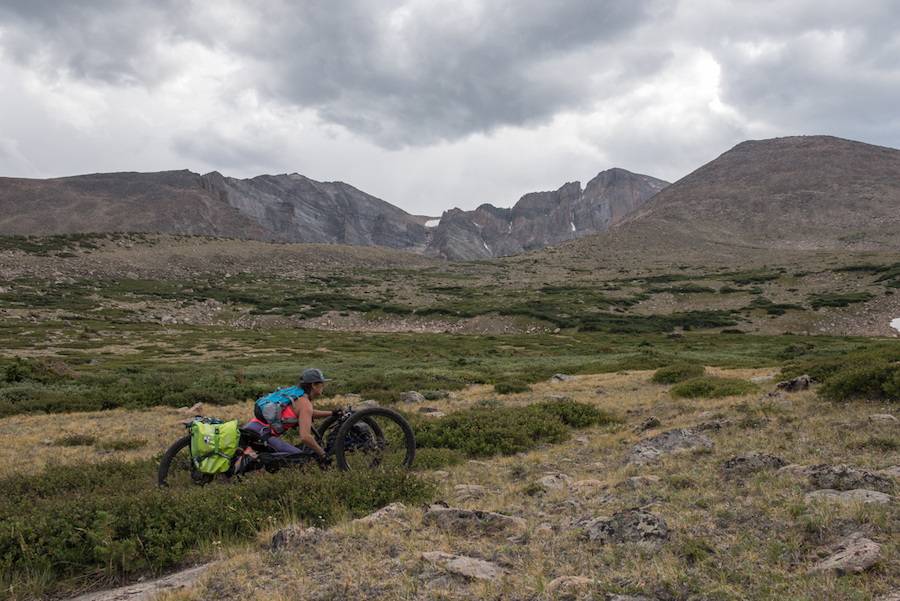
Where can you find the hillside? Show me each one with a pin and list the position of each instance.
(798, 193)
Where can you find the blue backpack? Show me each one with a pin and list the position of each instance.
(268, 409)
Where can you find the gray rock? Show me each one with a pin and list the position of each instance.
(295, 535)
(884, 418)
(848, 497)
(564, 378)
(751, 461)
(853, 555)
(461, 565)
(473, 521)
(412, 397)
(637, 482)
(889, 472)
(844, 477)
(650, 449)
(630, 526)
(649, 423)
(555, 481)
(387, 511)
(794, 384)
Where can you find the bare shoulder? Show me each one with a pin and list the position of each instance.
(302, 403)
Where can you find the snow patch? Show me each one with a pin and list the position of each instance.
(896, 324)
(572, 225)
(432, 223)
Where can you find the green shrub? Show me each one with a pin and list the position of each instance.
(434, 458)
(123, 444)
(574, 414)
(679, 372)
(102, 519)
(868, 382)
(865, 373)
(817, 301)
(511, 386)
(712, 387)
(75, 440)
(487, 431)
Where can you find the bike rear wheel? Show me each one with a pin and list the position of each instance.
(176, 470)
(375, 438)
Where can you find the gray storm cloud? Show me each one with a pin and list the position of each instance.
(655, 86)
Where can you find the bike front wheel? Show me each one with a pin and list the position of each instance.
(374, 438)
(176, 470)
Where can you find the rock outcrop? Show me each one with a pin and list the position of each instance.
(542, 219)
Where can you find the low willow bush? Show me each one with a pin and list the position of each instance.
(511, 386)
(711, 387)
(862, 374)
(111, 518)
(672, 374)
(489, 431)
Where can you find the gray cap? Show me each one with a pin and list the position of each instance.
(311, 376)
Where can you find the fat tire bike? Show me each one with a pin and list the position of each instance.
(370, 438)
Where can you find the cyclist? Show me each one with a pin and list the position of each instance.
(298, 413)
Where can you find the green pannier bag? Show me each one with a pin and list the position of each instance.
(213, 445)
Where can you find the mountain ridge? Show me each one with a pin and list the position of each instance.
(293, 208)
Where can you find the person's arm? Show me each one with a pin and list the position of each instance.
(320, 414)
(305, 413)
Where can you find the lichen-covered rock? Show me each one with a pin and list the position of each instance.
(751, 461)
(473, 521)
(629, 526)
(845, 477)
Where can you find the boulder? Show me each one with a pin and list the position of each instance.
(794, 384)
(385, 512)
(845, 477)
(651, 449)
(564, 378)
(853, 555)
(848, 497)
(294, 536)
(473, 521)
(634, 526)
(412, 397)
(749, 462)
(555, 481)
(461, 565)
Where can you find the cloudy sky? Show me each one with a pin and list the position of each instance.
(434, 104)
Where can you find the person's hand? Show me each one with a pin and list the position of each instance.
(337, 413)
(324, 461)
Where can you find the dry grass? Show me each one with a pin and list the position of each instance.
(751, 537)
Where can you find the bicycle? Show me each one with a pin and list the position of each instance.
(373, 437)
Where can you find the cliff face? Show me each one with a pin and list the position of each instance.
(299, 209)
(542, 219)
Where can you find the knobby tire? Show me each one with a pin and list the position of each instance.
(388, 442)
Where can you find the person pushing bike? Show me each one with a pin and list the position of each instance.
(299, 412)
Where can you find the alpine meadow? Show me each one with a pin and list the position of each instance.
(698, 401)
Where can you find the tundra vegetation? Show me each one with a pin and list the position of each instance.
(94, 369)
